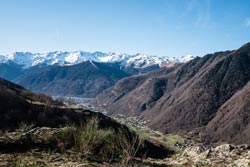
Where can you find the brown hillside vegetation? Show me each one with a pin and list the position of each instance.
(233, 116)
(190, 97)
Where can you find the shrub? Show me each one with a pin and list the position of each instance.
(128, 143)
(89, 137)
(85, 138)
(65, 138)
(104, 144)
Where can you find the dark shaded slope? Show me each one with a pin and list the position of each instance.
(86, 79)
(20, 105)
(12, 91)
(232, 121)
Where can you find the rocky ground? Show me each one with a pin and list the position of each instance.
(225, 155)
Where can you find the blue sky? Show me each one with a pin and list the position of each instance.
(158, 27)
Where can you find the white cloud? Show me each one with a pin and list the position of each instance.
(247, 23)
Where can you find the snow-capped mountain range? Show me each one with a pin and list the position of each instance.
(27, 59)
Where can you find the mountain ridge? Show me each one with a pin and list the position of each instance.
(86, 79)
(28, 59)
(188, 97)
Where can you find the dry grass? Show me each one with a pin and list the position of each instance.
(104, 144)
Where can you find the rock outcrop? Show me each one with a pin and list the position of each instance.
(225, 155)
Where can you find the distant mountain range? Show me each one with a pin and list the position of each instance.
(206, 97)
(27, 59)
(79, 73)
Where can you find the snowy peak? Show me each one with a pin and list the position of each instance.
(22, 58)
(186, 58)
(137, 60)
(27, 59)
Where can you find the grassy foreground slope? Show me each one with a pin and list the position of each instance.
(34, 126)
